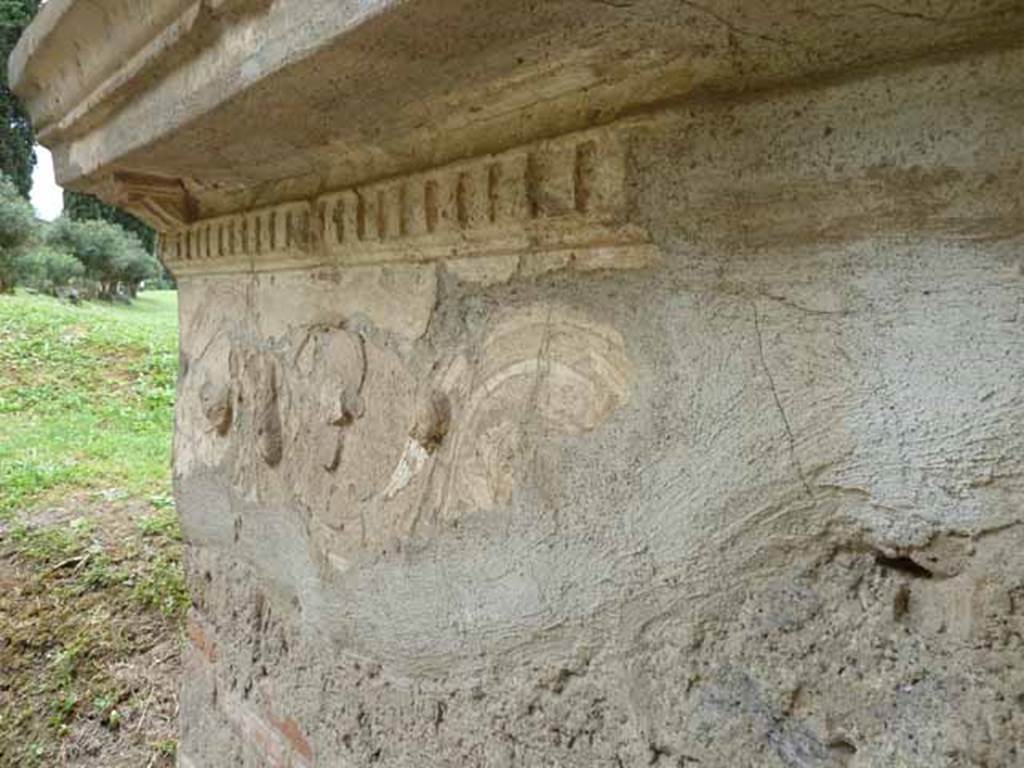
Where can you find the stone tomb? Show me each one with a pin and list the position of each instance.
(580, 383)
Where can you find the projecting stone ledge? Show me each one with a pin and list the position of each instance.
(580, 383)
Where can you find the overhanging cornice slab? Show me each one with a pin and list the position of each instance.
(247, 103)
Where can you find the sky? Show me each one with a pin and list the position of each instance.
(47, 197)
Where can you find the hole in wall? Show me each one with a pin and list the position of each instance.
(904, 565)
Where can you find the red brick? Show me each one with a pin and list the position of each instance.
(291, 730)
(201, 641)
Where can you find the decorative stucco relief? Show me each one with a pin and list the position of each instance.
(540, 372)
(375, 455)
(556, 204)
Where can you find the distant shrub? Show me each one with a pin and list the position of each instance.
(47, 270)
(111, 256)
(18, 229)
(103, 259)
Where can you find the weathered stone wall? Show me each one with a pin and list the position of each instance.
(733, 480)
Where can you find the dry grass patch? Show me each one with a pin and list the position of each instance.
(92, 596)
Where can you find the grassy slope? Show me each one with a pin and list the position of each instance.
(85, 396)
(91, 593)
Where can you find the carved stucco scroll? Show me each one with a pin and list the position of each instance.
(373, 446)
(375, 456)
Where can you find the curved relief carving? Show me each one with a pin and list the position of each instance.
(205, 413)
(541, 372)
(258, 438)
(349, 405)
(339, 422)
(330, 368)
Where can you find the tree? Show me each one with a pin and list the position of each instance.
(18, 229)
(82, 207)
(110, 255)
(17, 157)
(47, 270)
(134, 266)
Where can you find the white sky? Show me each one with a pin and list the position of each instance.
(47, 197)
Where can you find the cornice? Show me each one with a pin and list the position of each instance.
(109, 60)
(227, 104)
(551, 205)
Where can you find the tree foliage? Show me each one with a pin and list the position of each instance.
(17, 157)
(110, 256)
(47, 270)
(93, 243)
(17, 231)
(99, 256)
(82, 207)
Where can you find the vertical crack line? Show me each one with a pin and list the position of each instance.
(533, 185)
(543, 369)
(493, 190)
(430, 205)
(778, 403)
(584, 170)
(365, 364)
(462, 200)
(404, 213)
(338, 215)
(382, 215)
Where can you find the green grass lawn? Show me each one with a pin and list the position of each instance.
(92, 595)
(85, 397)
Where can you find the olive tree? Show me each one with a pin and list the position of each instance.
(48, 270)
(18, 229)
(111, 257)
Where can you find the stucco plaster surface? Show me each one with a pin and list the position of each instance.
(333, 93)
(757, 505)
(658, 403)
